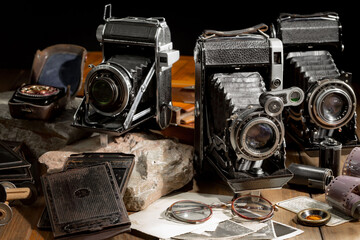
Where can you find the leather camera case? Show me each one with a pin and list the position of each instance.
(59, 67)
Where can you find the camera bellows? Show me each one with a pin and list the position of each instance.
(234, 91)
(242, 89)
(135, 65)
(311, 66)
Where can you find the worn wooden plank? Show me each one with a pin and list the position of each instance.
(24, 220)
(183, 72)
(92, 58)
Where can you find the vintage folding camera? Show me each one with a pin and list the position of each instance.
(312, 46)
(133, 82)
(239, 104)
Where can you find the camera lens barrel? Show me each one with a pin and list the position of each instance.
(256, 136)
(332, 103)
(329, 155)
(107, 89)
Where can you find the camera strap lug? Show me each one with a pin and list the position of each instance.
(107, 12)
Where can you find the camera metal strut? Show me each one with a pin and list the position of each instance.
(138, 97)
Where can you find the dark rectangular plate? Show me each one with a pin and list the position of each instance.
(121, 163)
(11, 159)
(16, 174)
(84, 200)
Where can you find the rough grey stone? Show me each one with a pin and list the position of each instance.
(161, 165)
(40, 136)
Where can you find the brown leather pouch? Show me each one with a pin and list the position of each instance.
(56, 76)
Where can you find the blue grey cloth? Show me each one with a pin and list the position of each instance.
(61, 70)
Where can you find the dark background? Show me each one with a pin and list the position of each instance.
(33, 25)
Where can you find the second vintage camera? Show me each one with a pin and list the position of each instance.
(239, 103)
(133, 83)
(313, 48)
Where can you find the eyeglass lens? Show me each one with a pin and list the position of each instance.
(253, 207)
(191, 211)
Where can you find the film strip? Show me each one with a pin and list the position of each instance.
(352, 163)
(343, 194)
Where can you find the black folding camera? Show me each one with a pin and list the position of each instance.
(312, 45)
(133, 82)
(239, 104)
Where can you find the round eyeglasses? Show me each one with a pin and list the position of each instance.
(250, 207)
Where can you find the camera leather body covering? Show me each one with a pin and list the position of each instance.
(313, 50)
(56, 76)
(132, 85)
(320, 30)
(235, 133)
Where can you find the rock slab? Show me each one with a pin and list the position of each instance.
(161, 165)
(40, 136)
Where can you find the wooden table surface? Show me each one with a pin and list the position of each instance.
(23, 224)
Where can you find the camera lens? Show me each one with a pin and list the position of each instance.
(103, 92)
(256, 136)
(107, 89)
(333, 106)
(260, 137)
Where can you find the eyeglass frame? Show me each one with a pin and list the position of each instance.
(233, 210)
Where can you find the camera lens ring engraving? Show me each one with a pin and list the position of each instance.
(340, 91)
(118, 83)
(241, 128)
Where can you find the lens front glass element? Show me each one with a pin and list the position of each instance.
(102, 92)
(107, 89)
(260, 137)
(190, 211)
(333, 106)
(331, 103)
